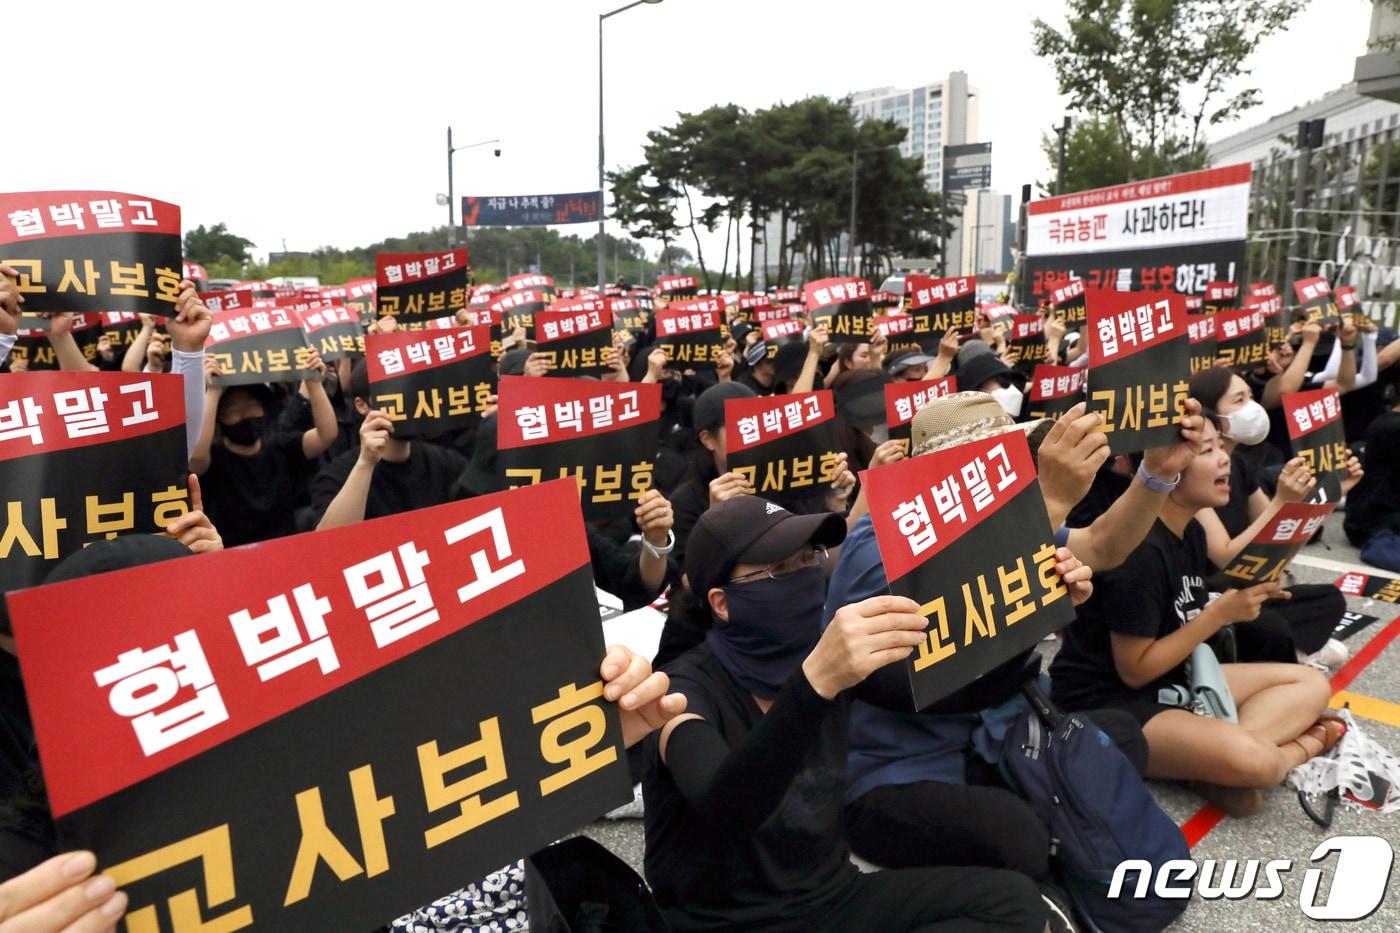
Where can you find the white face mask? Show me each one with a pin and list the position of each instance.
(1009, 398)
(879, 433)
(1249, 425)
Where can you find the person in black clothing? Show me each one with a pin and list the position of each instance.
(255, 480)
(744, 791)
(1374, 505)
(1133, 637)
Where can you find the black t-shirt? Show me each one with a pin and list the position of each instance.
(1159, 588)
(426, 478)
(255, 498)
(1244, 480)
(1374, 505)
(795, 864)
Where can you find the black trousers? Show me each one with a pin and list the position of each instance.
(1302, 623)
(981, 823)
(936, 900)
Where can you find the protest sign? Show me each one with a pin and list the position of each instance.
(949, 304)
(1201, 336)
(86, 456)
(530, 281)
(1241, 336)
(575, 334)
(1271, 306)
(908, 332)
(603, 434)
(360, 295)
(1027, 337)
(1067, 302)
(1139, 361)
(532, 210)
(1315, 302)
(843, 305)
(1220, 296)
(1315, 429)
(1262, 560)
(428, 382)
(232, 300)
(904, 399)
(1351, 623)
(335, 331)
(629, 315)
(1349, 302)
(676, 286)
(784, 445)
(1054, 390)
(1370, 586)
(92, 251)
(260, 345)
(1175, 233)
(884, 300)
(996, 593)
(689, 331)
(269, 758)
(786, 296)
(414, 288)
(121, 328)
(785, 332)
(518, 308)
(32, 344)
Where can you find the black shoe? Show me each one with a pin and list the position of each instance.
(1058, 912)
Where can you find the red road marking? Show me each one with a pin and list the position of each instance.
(1199, 825)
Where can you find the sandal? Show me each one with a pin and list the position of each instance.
(1327, 732)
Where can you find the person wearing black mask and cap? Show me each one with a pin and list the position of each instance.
(744, 791)
(986, 372)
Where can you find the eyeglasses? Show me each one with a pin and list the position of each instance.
(802, 560)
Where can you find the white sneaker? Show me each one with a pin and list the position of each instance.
(1329, 657)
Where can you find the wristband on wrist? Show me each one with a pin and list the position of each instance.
(1155, 484)
(665, 549)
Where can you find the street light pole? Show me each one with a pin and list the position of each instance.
(851, 230)
(451, 205)
(1061, 131)
(602, 192)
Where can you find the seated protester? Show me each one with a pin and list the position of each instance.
(986, 372)
(678, 391)
(856, 357)
(923, 788)
(908, 365)
(296, 414)
(1283, 371)
(1132, 640)
(386, 475)
(859, 395)
(1373, 507)
(743, 791)
(793, 368)
(1301, 627)
(255, 480)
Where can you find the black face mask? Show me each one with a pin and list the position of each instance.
(244, 433)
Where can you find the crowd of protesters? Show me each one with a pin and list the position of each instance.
(773, 731)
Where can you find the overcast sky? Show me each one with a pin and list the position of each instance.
(320, 124)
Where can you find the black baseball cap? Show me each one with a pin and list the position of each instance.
(708, 412)
(750, 530)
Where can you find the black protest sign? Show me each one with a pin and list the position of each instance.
(1067, 302)
(785, 332)
(530, 281)
(360, 298)
(516, 309)
(1315, 301)
(690, 332)
(630, 315)
(1201, 336)
(1027, 336)
(913, 331)
(428, 382)
(993, 595)
(92, 251)
(903, 399)
(676, 286)
(602, 434)
(34, 349)
(260, 345)
(784, 445)
(949, 304)
(414, 288)
(1316, 431)
(1242, 336)
(335, 331)
(576, 334)
(1263, 559)
(270, 757)
(1054, 390)
(1220, 296)
(83, 457)
(1370, 586)
(1139, 361)
(121, 328)
(843, 305)
(1351, 623)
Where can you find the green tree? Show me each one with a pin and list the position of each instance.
(1095, 157)
(1158, 71)
(209, 246)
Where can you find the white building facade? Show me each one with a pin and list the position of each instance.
(942, 113)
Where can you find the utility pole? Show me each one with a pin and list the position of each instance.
(851, 229)
(1309, 138)
(1061, 131)
(451, 215)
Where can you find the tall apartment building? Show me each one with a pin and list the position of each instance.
(943, 113)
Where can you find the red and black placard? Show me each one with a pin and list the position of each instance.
(430, 381)
(1271, 306)
(92, 251)
(752, 308)
(260, 345)
(785, 332)
(1139, 361)
(785, 445)
(1370, 586)
(269, 757)
(1201, 335)
(781, 312)
(1318, 435)
(786, 296)
(85, 456)
(32, 340)
(416, 287)
(1263, 559)
(1054, 390)
(1241, 336)
(1067, 301)
(576, 334)
(1221, 296)
(994, 595)
(518, 308)
(676, 286)
(1027, 335)
(232, 300)
(690, 332)
(951, 304)
(122, 329)
(629, 315)
(603, 434)
(360, 298)
(531, 281)
(911, 331)
(1349, 302)
(843, 305)
(1315, 302)
(334, 331)
(903, 400)
(883, 299)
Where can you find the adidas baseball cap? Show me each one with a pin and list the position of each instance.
(750, 530)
